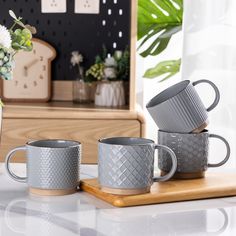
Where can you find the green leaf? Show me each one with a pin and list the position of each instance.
(158, 21)
(27, 34)
(32, 29)
(18, 22)
(164, 68)
(12, 14)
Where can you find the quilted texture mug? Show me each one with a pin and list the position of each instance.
(191, 151)
(52, 166)
(126, 165)
(180, 109)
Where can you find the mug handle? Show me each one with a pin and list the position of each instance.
(217, 92)
(174, 164)
(227, 151)
(7, 164)
(224, 226)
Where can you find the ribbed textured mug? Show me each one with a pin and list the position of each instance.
(180, 109)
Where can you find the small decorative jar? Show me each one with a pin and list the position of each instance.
(81, 89)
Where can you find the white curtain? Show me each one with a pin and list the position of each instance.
(209, 52)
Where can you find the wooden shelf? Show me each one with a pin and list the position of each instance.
(64, 105)
(64, 120)
(66, 110)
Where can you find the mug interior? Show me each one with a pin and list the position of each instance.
(54, 143)
(168, 93)
(126, 141)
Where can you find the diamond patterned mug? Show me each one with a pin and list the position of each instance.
(191, 151)
(52, 166)
(126, 165)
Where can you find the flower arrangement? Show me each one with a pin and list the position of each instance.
(18, 37)
(113, 68)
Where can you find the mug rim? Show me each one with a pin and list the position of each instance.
(205, 131)
(153, 103)
(76, 143)
(103, 141)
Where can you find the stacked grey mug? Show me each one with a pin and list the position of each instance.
(182, 118)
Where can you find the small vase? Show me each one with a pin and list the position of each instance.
(110, 94)
(81, 92)
(81, 89)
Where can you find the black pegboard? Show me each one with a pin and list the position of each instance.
(69, 31)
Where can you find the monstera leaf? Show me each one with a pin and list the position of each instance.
(158, 20)
(164, 68)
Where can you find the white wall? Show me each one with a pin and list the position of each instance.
(208, 52)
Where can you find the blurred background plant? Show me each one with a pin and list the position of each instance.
(11, 41)
(158, 21)
(113, 68)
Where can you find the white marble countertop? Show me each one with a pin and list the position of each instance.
(83, 214)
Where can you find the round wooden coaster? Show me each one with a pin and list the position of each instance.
(125, 191)
(201, 128)
(51, 192)
(194, 175)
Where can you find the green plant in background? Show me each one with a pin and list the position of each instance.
(11, 41)
(123, 64)
(21, 37)
(95, 72)
(158, 21)
(115, 67)
(6, 62)
(167, 68)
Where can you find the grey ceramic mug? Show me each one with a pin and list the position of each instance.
(180, 109)
(126, 165)
(52, 166)
(191, 151)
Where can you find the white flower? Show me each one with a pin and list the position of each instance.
(5, 37)
(110, 73)
(76, 58)
(110, 62)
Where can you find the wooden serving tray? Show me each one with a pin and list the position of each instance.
(212, 186)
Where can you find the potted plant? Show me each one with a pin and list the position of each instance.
(110, 72)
